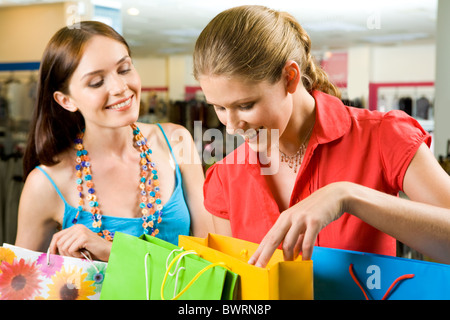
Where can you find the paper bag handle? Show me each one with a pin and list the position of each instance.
(403, 277)
(86, 255)
(212, 265)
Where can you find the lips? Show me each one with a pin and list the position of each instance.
(252, 134)
(121, 105)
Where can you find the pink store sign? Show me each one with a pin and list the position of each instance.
(335, 64)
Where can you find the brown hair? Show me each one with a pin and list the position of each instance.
(255, 42)
(53, 128)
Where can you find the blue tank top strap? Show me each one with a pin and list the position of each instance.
(52, 182)
(168, 143)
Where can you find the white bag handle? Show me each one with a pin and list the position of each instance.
(176, 270)
(89, 259)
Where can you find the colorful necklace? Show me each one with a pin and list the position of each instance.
(150, 204)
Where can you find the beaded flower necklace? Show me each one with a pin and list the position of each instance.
(150, 204)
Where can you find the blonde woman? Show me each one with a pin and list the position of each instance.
(339, 169)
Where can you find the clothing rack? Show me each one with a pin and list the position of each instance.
(11, 185)
(17, 95)
(376, 90)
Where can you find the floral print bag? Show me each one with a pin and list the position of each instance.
(31, 275)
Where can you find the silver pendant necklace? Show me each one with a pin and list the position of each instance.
(296, 160)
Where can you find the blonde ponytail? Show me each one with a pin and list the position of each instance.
(313, 76)
(255, 42)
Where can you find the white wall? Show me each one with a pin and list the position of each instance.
(442, 102)
(176, 72)
(390, 64)
(173, 73)
(189, 76)
(153, 71)
(408, 63)
(359, 75)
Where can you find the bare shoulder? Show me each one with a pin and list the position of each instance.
(180, 140)
(40, 211)
(168, 127)
(39, 194)
(38, 182)
(175, 133)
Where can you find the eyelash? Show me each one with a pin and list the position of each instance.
(247, 106)
(96, 85)
(100, 83)
(243, 107)
(218, 108)
(125, 71)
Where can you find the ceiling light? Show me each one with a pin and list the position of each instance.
(133, 11)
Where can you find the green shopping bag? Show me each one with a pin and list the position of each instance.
(151, 268)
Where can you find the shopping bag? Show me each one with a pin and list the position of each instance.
(279, 280)
(153, 269)
(31, 275)
(350, 275)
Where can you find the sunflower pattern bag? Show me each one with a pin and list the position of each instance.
(31, 275)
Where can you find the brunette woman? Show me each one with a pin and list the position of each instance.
(90, 169)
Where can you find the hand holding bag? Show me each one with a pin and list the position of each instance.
(280, 280)
(31, 275)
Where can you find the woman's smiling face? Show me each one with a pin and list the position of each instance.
(249, 108)
(105, 87)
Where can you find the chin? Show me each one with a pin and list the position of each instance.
(258, 147)
(133, 115)
(127, 120)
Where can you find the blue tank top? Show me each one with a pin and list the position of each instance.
(175, 218)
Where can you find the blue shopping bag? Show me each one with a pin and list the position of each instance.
(350, 275)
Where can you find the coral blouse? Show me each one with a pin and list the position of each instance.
(370, 148)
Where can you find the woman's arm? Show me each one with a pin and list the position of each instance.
(423, 223)
(38, 208)
(193, 178)
(222, 226)
(201, 220)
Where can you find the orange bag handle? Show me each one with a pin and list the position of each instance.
(403, 277)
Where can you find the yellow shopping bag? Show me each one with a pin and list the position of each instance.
(279, 280)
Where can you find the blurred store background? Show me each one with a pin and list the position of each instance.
(384, 54)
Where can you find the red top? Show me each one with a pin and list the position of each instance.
(370, 148)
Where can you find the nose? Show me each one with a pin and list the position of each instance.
(118, 85)
(233, 122)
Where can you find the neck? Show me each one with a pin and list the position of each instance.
(108, 142)
(300, 124)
